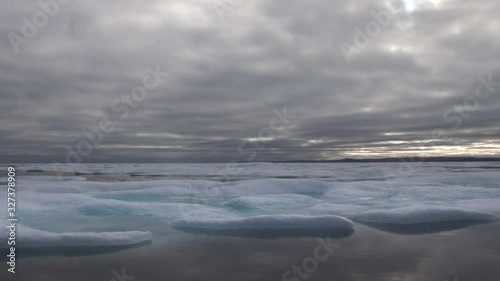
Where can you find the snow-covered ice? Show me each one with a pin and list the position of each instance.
(270, 226)
(261, 196)
(28, 237)
(268, 222)
(423, 214)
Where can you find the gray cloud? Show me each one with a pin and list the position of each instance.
(226, 77)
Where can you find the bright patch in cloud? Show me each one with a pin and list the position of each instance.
(410, 5)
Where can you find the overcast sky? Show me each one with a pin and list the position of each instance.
(233, 68)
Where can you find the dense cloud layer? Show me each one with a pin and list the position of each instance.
(352, 86)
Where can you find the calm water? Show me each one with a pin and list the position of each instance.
(470, 254)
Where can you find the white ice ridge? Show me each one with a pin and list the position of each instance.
(383, 192)
(271, 201)
(268, 222)
(30, 237)
(422, 214)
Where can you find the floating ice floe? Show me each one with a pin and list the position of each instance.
(34, 242)
(272, 201)
(270, 226)
(431, 197)
(28, 237)
(423, 219)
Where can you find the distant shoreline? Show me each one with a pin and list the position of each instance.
(345, 160)
(401, 159)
